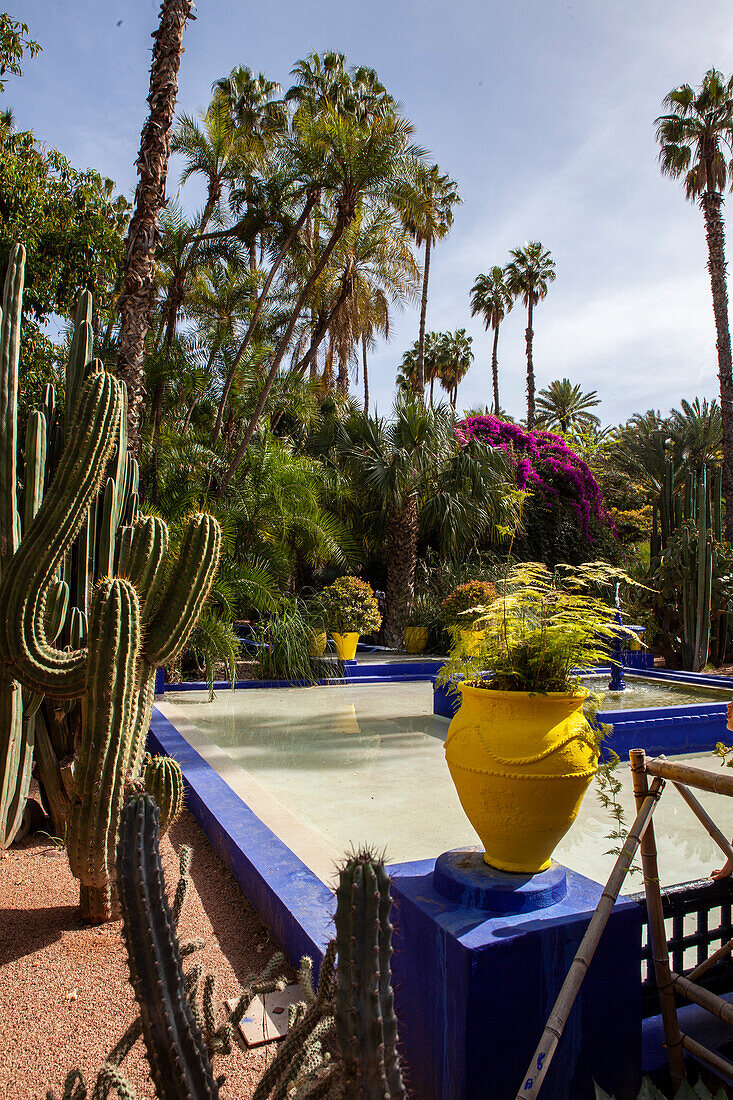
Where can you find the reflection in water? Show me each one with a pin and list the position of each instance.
(642, 693)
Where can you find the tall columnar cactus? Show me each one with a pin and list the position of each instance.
(18, 705)
(107, 751)
(366, 1025)
(179, 1061)
(155, 599)
(163, 780)
(689, 524)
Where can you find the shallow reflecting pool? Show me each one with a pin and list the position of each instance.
(330, 767)
(641, 692)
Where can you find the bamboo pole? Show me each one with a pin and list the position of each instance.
(713, 1004)
(558, 1017)
(711, 961)
(655, 927)
(721, 1065)
(702, 815)
(692, 777)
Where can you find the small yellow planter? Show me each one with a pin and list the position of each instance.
(346, 645)
(521, 766)
(416, 638)
(318, 644)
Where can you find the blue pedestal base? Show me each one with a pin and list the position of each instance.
(473, 991)
(462, 877)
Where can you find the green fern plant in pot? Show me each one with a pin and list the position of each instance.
(520, 749)
(351, 609)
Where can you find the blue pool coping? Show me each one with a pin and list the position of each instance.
(381, 673)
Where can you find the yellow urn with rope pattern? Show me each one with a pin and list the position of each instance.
(521, 763)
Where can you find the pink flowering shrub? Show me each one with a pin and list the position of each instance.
(544, 464)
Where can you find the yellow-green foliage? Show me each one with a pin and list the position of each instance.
(541, 627)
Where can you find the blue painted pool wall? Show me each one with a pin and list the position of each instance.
(394, 672)
(473, 993)
(291, 900)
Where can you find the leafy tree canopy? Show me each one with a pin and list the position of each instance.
(71, 223)
(13, 43)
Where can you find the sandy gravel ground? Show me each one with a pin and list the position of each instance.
(65, 995)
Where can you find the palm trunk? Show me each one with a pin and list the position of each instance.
(305, 213)
(423, 314)
(712, 202)
(530, 368)
(366, 374)
(495, 370)
(340, 226)
(401, 546)
(137, 291)
(342, 380)
(432, 386)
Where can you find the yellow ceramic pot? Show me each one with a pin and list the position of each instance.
(346, 645)
(521, 764)
(416, 638)
(317, 646)
(471, 639)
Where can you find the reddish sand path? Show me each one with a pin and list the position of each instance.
(65, 995)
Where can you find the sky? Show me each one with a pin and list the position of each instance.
(542, 111)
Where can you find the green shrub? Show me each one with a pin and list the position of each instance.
(351, 607)
(456, 609)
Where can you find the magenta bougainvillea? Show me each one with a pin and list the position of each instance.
(544, 464)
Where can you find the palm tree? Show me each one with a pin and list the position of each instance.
(694, 138)
(136, 299)
(491, 298)
(564, 405)
(355, 161)
(527, 275)
(697, 433)
(412, 471)
(428, 214)
(455, 360)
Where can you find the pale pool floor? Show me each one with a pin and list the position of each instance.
(333, 767)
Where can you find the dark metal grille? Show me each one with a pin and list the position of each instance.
(698, 918)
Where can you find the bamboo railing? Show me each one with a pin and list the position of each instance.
(641, 835)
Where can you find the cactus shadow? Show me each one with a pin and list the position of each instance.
(34, 929)
(241, 935)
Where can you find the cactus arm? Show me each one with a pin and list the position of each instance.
(183, 598)
(23, 643)
(143, 711)
(16, 757)
(35, 466)
(143, 555)
(175, 1048)
(80, 354)
(105, 753)
(105, 555)
(163, 781)
(386, 993)
(9, 353)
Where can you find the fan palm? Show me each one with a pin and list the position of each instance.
(695, 137)
(411, 469)
(565, 406)
(527, 276)
(491, 299)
